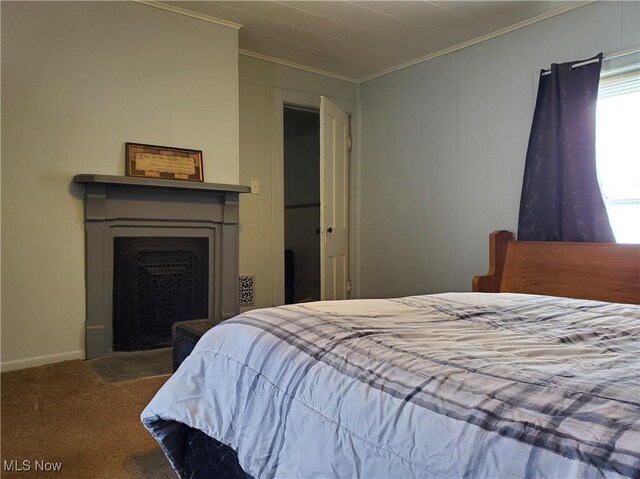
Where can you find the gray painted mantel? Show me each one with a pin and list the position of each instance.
(122, 206)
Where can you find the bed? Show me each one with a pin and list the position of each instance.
(534, 374)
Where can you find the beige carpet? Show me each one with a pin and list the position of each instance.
(66, 413)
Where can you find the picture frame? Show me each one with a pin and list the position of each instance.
(163, 162)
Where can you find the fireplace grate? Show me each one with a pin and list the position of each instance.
(157, 281)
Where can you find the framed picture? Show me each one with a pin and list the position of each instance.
(153, 161)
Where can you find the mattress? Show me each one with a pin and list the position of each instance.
(447, 385)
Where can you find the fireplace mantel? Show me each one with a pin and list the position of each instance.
(159, 183)
(122, 206)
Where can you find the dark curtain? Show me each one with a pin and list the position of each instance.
(561, 199)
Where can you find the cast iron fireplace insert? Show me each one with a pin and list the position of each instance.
(157, 281)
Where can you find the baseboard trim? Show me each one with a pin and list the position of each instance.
(40, 360)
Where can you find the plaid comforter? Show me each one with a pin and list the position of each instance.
(452, 385)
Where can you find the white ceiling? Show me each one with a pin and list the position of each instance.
(359, 40)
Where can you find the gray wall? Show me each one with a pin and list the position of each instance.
(443, 148)
(78, 80)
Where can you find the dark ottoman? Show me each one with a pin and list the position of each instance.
(185, 335)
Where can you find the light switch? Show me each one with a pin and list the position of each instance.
(255, 187)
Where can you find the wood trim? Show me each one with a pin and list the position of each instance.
(189, 13)
(598, 271)
(41, 360)
(297, 66)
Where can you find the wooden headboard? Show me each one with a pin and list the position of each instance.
(600, 271)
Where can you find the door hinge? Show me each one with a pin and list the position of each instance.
(349, 143)
(348, 286)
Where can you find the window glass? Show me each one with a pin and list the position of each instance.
(618, 152)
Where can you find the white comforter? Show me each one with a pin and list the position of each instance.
(447, 385)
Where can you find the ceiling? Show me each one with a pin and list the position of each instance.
(359, 40)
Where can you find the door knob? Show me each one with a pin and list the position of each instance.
(329, 229)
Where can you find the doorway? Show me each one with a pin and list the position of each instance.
(335, 123)
(301, 144)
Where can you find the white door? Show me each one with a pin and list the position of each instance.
(334, 201)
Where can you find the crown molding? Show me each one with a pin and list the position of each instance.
(570, 6)
(189, 13)
(297, 66)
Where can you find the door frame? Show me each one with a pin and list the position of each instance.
(281, 97)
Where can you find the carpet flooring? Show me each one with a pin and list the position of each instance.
(66, 413)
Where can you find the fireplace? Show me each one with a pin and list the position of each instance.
(156, 282)
(156, 252)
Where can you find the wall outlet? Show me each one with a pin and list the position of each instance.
(255, 187)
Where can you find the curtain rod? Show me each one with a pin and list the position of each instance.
(611, 56)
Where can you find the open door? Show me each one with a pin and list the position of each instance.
(334, 201)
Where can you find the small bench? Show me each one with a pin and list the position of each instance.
(185, 335)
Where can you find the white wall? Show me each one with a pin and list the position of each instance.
(78, 80)
(257, 80)
(443, 149)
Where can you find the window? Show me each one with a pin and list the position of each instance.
(618, 151)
